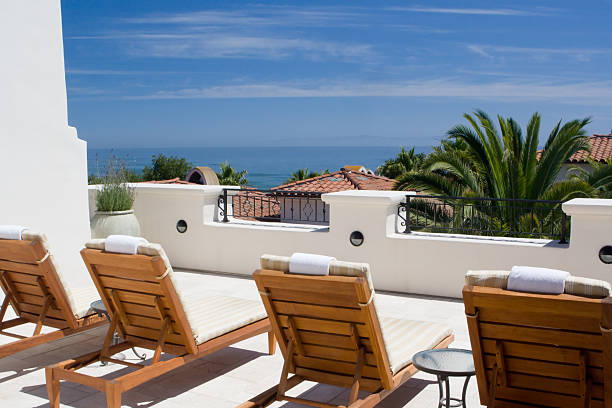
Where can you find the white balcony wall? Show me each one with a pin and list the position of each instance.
(43, 165)
(432, 264)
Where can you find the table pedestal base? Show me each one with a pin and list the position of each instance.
(445, 399)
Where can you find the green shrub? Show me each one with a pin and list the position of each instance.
(166, 168)
(115, 194)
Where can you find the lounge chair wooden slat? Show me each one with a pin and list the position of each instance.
(564, 305)
(130, 285)
(141, 310)
(119, 261)
(553, 399)
(544, 368)
(17, 251)
(36, 294)
(337, 379)
(547, 353)
(132, 297)
(334, 353)
(144, 306)
(330, 313)
(322, 339)
(369, 371)
(125, 273)
(542, 336)
(553, 348)
(300, 296)
(24, 277)
(335, 286)
(537, 382)
(324, 326)
(328, 331)
(559, 321)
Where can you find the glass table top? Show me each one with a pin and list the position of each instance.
(452, 362)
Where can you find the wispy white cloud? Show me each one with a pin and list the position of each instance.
(477, 49)
(232, 46)
(589, 93)
(471, 11)
(580, 54)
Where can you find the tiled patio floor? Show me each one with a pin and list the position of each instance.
(225, 378)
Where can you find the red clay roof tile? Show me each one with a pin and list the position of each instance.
(601, 150)
(341, 180)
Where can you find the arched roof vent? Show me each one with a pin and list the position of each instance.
(203, 175)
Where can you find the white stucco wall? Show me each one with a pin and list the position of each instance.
(43, 165)
(422, 263)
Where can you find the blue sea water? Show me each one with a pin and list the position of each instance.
(266, 166)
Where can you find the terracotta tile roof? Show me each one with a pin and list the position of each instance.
(176, 180)
(341, 180)
(601, 150)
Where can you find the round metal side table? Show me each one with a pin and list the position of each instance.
(100, 309)
(445, 363)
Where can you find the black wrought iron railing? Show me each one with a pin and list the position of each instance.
(484, 216)
(273, 206)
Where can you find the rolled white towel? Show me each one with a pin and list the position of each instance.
(310, 264)
(11, 231)
(123, 244)
(537, 280)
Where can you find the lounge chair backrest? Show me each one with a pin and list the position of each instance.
(28, 277)
(551, 350)
(327, 319)
(138, 290)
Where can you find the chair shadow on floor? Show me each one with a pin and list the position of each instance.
(340, 396)
(169, 385)
(39, 357)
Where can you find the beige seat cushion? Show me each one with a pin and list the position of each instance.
(79, 298)
(574, 285)
(213, 316)
(404, 338)
(208, 315)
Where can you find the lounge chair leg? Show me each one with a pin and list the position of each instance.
(113, 395)
(271, 343)
(53, 388)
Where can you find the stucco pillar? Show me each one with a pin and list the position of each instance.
(590, 231)
(373, 213)
(43, 165)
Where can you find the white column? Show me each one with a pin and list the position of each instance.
(591, 230)
(43, 165)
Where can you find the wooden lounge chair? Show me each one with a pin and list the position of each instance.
(140, 293)
(329, 332)
(35, 290)
(535, 350)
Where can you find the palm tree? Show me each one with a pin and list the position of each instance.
(482, 161)
(304, 174)
(600, 179)
(502, 164)
(228, 176)
(405, 161)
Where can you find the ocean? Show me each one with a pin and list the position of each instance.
(266, 166)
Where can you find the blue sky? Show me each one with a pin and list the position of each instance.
(165, 73)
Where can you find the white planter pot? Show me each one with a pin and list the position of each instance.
(105, 223)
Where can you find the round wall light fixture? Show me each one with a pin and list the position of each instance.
(181, 226)
(605, 254)
(356, 238)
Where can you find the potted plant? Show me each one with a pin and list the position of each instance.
(114, 204)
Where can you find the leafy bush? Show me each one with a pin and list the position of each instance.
(166, 168)
(115, 194)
